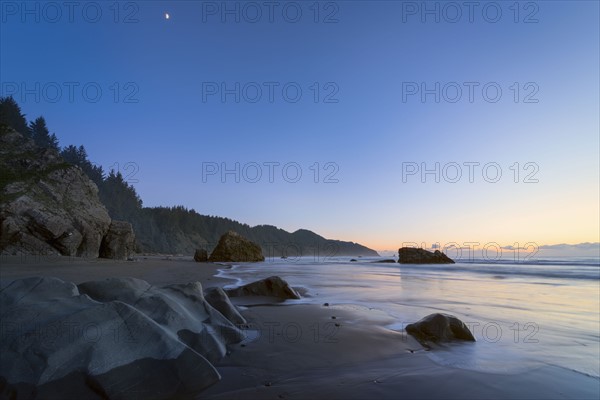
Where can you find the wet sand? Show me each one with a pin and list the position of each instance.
(157, 270)
(301, 351)
(361, 359)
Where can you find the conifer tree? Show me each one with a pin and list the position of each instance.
(11, 115)
(41, 135)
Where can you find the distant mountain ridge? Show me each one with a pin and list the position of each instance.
(177, 230)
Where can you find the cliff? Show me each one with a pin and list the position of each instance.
(48, 206)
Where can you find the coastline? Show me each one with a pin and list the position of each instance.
(301, 351)
(363, 360)
(156, 270)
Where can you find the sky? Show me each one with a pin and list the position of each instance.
(378, 122)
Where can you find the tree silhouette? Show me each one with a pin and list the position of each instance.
(11, 115)
(121, 199)
(41, 135)
(78, 156)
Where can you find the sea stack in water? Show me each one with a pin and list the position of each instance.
(235, 248)
(439, 328)
(412, 255)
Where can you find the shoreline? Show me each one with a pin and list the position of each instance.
(301, 351)
(156, 270)
(299, 354)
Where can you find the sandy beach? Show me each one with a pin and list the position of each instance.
(298, 351)
(156, 270)
(362, 360)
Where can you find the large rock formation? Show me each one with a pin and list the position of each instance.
(272, 286)
(200, 255)
(119, 241)
(439, 328)
(118, 338)
(412, 255)
(234, 248)
(47, 206)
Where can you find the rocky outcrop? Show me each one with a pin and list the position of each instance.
(200, 255)
(118, 338)
(119, 241)
(50, 207)
(439, 328)
(217, 298)
(412, 255)
(272, 286)
(233, 247)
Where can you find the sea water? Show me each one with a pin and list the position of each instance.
(523, 315)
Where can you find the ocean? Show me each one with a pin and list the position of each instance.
(523, 315)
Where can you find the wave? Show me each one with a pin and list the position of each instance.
(501, 270)
(584, 261)
(583, 268)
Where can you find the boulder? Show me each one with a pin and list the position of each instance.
(384, 261)
(217, 298)
(119, 241)
(47, 206)
(439, 328)
(200, 255)
(117, 338)
(233, 247)
(272, 286)
(413, 255)
(181, 308)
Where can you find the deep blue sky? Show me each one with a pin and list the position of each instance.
(373, 50)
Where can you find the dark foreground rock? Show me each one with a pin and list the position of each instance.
(439, 328)
(118, 338)
(384, 261)
(272, 286)
(217, 298)
(412, 255)
(119, 241)
(200, 255)
(233, 247)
